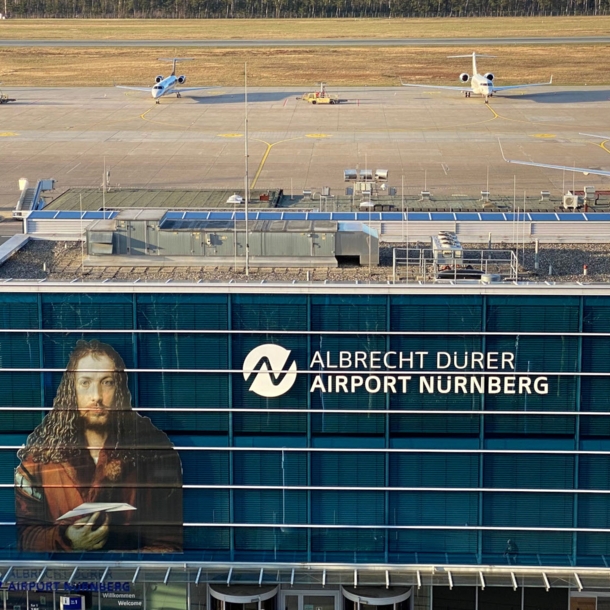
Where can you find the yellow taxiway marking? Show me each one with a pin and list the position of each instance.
(603, 145)
(496, 115)
(262, 163)
(544, 135)
(145, 118)
(318, 135)
(230, 135)
(8, 134)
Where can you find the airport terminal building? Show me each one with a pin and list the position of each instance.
(304, 446)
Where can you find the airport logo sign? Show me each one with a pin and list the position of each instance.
(392, 372)
(272, 377)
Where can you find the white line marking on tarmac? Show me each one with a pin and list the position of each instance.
(73, 168)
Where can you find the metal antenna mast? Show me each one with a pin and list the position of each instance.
(246, 185)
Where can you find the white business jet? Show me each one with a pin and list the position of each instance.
(167, 86)
(579, 170)
(480, 84)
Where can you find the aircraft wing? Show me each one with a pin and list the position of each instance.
(522, 86)
(147, 89)
(184, 90)
(466, 88)
(579, 170)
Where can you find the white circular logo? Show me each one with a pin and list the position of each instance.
(268, 362)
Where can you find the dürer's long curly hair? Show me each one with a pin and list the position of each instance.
(60, 435)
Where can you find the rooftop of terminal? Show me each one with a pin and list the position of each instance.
(62, 261)
(323, 199)
(369, 233)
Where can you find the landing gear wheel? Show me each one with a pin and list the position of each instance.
(314, 102)
(178, 95)
(157, 101)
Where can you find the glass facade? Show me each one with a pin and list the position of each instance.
(413, 429)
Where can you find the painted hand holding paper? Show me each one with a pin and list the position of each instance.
(87, 508)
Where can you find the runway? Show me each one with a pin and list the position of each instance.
(322, 42)
(428, 140)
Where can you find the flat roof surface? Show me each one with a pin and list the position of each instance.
(92, 199)
(428, 140)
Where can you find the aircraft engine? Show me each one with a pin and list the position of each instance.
(489, 76)
(182, 79)
(159, 78)
(464, 77)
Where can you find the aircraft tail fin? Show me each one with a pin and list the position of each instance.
(174, 61)
(474, 56)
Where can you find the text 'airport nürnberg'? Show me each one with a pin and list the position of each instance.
(483, 373)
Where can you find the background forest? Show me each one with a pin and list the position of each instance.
(209, 9)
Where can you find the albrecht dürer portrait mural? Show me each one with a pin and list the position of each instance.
(94, 474)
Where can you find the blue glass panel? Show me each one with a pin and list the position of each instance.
(522, 471)
(206, 505)
(438, 216)
(193, 215)
(594, 544)
(532, 548)
(528, 509)
(205, 467)
(183, 351)
(207, 538)
(269, 544)
(271, 506)
(18, 310)
(269, 468)
(485, 216)
(330, 469)
(409, 545)
(571, 217)
(182, 311)
(7, 504)
(8, 462)
(69, 215)
(347, 507)
(434, 469)
(87, 311)
(542, 216)
(434, 508)
(43, 214)
(349, 545)
(368, 216)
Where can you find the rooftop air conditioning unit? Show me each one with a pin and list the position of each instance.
(571, 202)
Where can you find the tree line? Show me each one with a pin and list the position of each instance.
(222, 9)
